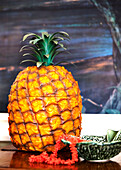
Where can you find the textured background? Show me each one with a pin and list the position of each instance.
(90, 45)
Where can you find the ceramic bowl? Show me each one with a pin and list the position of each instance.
(100, 148)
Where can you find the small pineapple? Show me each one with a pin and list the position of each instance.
(44, 100)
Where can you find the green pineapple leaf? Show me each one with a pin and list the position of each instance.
(61, 33)
(28, 35)
(28, 48)
(45, 47)
(32, 54)
(33, 61)
(35, 41)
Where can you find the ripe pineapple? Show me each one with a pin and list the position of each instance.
(44, 100)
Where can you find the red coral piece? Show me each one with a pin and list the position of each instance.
(52, 159)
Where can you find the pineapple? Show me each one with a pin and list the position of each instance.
(44, 100)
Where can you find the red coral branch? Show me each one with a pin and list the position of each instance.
(52, 159)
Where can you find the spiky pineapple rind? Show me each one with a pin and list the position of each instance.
(44, 103)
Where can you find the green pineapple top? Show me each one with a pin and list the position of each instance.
(45, 47)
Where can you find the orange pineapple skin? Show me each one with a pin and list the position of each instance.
(43, 104)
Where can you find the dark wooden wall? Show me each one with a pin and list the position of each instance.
(90, 44)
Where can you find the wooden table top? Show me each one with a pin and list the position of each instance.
(12, 159)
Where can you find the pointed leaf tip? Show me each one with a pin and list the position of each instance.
(27, 54)
(27, 35)
(30, 34)
(27, 61)
(46, 55)
(39, 64)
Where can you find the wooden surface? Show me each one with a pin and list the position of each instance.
(12, 159)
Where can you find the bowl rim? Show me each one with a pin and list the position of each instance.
(93, 142)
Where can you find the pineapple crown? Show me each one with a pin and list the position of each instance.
(44, 48)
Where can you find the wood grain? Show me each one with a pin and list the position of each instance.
(19, 160)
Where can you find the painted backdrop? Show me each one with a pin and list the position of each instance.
(91, 46)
